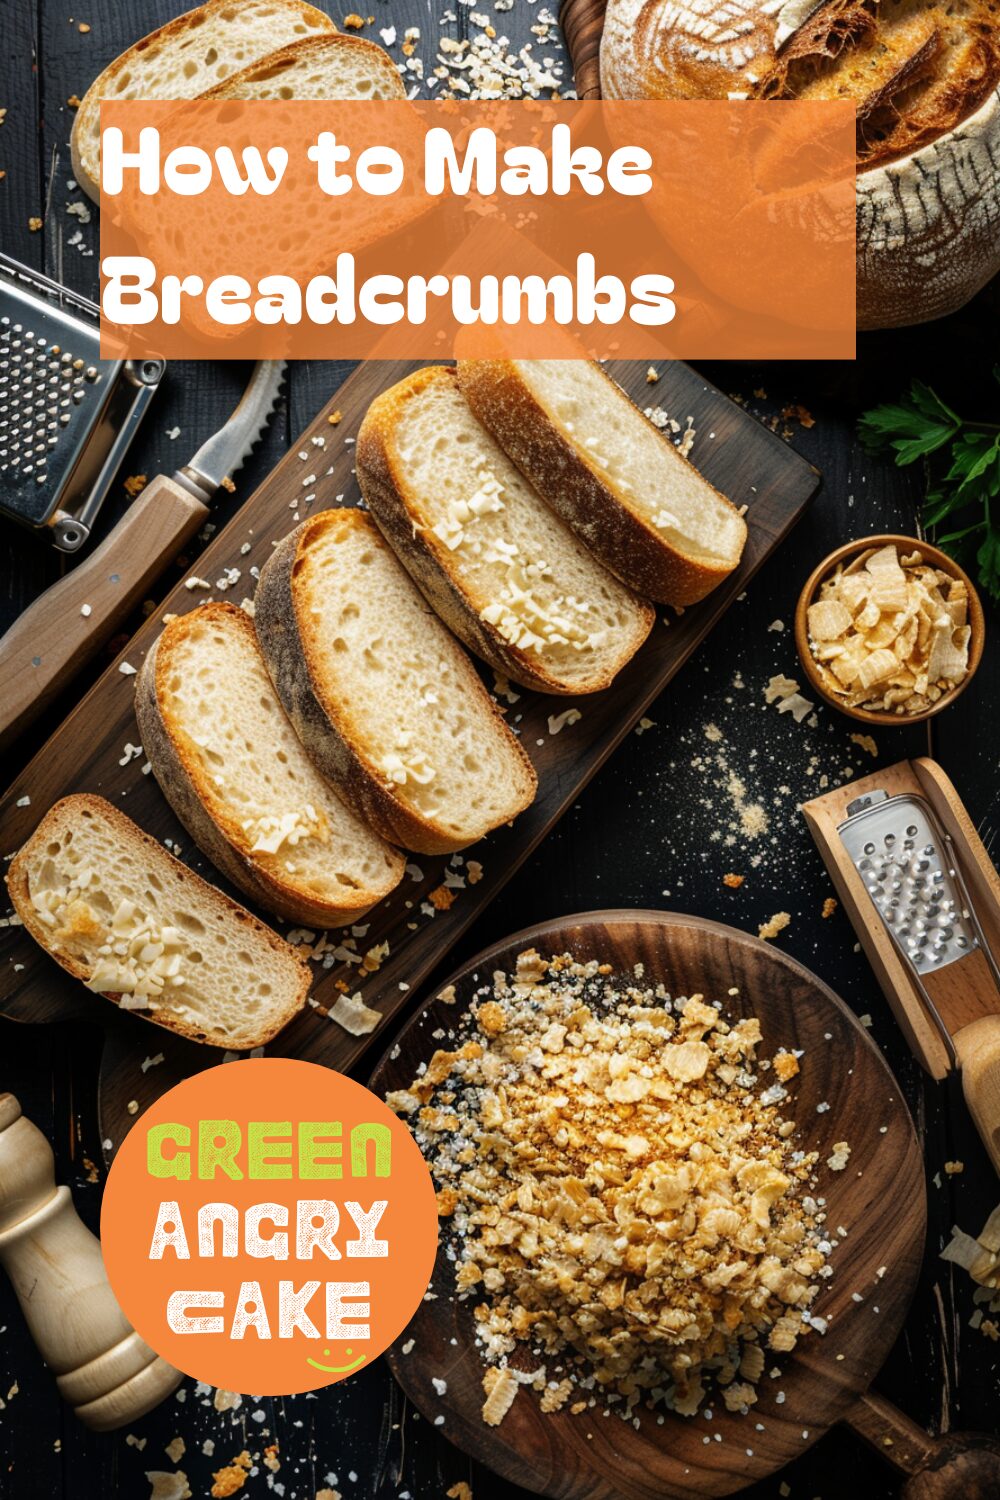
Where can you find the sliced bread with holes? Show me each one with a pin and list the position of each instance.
(317, 67)
(638, 504)
(499, 567)
(134, 924)
(234, 771)
(384, 699)
(185, 58)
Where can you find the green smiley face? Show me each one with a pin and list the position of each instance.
(338, 1369)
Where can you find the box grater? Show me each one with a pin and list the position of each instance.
(911, 873)
(66, 415)
(924, 899)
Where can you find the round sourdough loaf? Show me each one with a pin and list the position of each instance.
(924, 76)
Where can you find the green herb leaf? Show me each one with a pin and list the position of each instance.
(912, 428)
(962, 462)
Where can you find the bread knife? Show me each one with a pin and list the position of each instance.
(64, 627)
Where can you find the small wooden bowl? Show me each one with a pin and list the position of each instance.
(905, 545)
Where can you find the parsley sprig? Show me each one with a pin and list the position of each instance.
(962, 461)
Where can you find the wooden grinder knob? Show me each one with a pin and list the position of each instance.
(956, 1466)
(102, 1367)
(964, 1466)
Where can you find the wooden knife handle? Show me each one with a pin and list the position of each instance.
(66, 625)
(102, 1367)
(956, 1466)
(978, 1048)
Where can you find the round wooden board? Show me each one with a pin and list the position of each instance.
(879, 1200)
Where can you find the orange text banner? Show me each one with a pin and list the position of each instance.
(412, 229)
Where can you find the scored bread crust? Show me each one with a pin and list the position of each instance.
(426, 558)
(60, 815)
(156, 39)
(264, 67)
(927, 212)
(324, 728)
(624, 542)
(185, 787)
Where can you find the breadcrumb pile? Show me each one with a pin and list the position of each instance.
(627, 1210)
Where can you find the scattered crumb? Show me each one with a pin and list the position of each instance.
(829, 907)
(135, 484)
(733, 881)
(232, 1478)
(164, 1486)
(865, 742)
(224, 1400)
(953, 1168)
(775, 924)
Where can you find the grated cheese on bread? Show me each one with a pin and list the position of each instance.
(383, 698)
(640, 506)
(498, 566)
(118, 912)
(233, 770)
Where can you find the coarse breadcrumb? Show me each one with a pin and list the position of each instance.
(624, 1200)
(774, 925)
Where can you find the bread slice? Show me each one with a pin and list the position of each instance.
(317, 67)
(383, 698)
(639, 505)
(232, 768)
(185, 58)
(508, 577)
(117, 911)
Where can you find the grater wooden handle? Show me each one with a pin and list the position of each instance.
(102, 1367)
(978, 1048)
(68, 624)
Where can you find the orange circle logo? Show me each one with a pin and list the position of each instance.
(269, 1226)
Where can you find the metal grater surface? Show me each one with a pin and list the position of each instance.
(908, 866)
(66, 414)
(44, 385)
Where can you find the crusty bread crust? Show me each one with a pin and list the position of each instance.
(578, 492)
(427, 559)
(927, 193)
(220, 837)
(322, 725)
(376, 58)
(62, 814)
(152, 43)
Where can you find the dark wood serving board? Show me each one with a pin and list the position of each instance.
(741, 457)
(878, 1199)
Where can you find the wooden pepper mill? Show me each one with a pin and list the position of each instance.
(102, 1367)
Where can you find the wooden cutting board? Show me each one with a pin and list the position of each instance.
(88, 752)
(878, 1199)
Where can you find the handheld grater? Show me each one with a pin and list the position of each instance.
(66, 415)
(910, 870)
(924, 899)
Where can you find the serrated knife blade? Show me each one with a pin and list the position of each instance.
(223, 453)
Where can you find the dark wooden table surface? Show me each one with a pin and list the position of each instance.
(651, 831)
